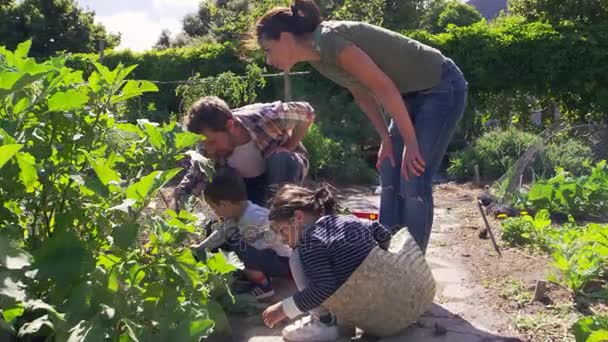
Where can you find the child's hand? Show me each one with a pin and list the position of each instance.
(274, 314)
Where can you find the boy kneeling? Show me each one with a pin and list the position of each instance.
(245, 230)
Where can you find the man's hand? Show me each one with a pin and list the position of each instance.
(385, 152)
(274, 314)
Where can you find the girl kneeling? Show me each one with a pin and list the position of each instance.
(327, 249)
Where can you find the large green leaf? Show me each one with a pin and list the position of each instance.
(6, 138)
(7, 152)
(134, 89)
(598, 336)
(148, 184)
(69, 100)
(125, 235)
(11, 314)
(63, 258)
(155, 134)
(28, 174)
(23, 49)
(187, 139)
(187, 267)
(104, 172)
(13, 258)
(219, 264)
(200, 327)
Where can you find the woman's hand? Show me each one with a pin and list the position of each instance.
(413, 163)
(386, 151)
(274, 314)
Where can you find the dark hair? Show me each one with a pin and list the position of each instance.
(302, 17)
(290, 198)
(226, 185)
(209, 112)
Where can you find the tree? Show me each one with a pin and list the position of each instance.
(53, 25)
(164, 41)
(442, 13)
(555, 11)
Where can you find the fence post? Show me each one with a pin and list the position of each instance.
(102, 47)
(287, 86)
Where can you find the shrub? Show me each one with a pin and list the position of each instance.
(495, 152)
(82, 254)
(335, 160)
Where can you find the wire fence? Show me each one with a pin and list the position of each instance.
(564, 146)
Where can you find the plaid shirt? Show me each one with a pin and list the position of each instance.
(270, 126)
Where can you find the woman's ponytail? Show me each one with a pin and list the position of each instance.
(303, 17)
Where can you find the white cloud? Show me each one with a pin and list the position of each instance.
(139, 30)
(163, 4)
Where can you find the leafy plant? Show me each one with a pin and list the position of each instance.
(527, 230)
(582, 197)
(580, 254)
(82, 255)
(591, 329)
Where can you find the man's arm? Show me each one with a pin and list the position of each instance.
(297, 115)
(191, 185)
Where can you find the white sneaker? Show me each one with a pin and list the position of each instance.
(310, 329)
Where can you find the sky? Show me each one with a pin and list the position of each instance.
(140, 21)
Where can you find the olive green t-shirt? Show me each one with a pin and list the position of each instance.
(410, 64)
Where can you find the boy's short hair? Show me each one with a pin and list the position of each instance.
(226, 185)
(209, 112)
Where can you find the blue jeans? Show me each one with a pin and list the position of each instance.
(435, 114)
(281, 167)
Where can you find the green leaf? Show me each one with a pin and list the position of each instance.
(124, 236)
(598, 336)
(10, 314)
(64, 258)
(133, 89)
(69, 100)
(200, 327)
(219, 264)
(187, 139)
(28, 174)
(187, 264)
(150, 183)
(21, 105)
(155, 134)
(13, 258)
(7, 152)
(113, 283)
(6, 138)
(542, 219)
(104, 172)
(23, 49)
(10, 288)
(8, 80)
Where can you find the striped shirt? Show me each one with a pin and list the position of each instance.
(270, 126)
(331, 251)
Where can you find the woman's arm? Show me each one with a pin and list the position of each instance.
(370, 107)
(356, 62)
